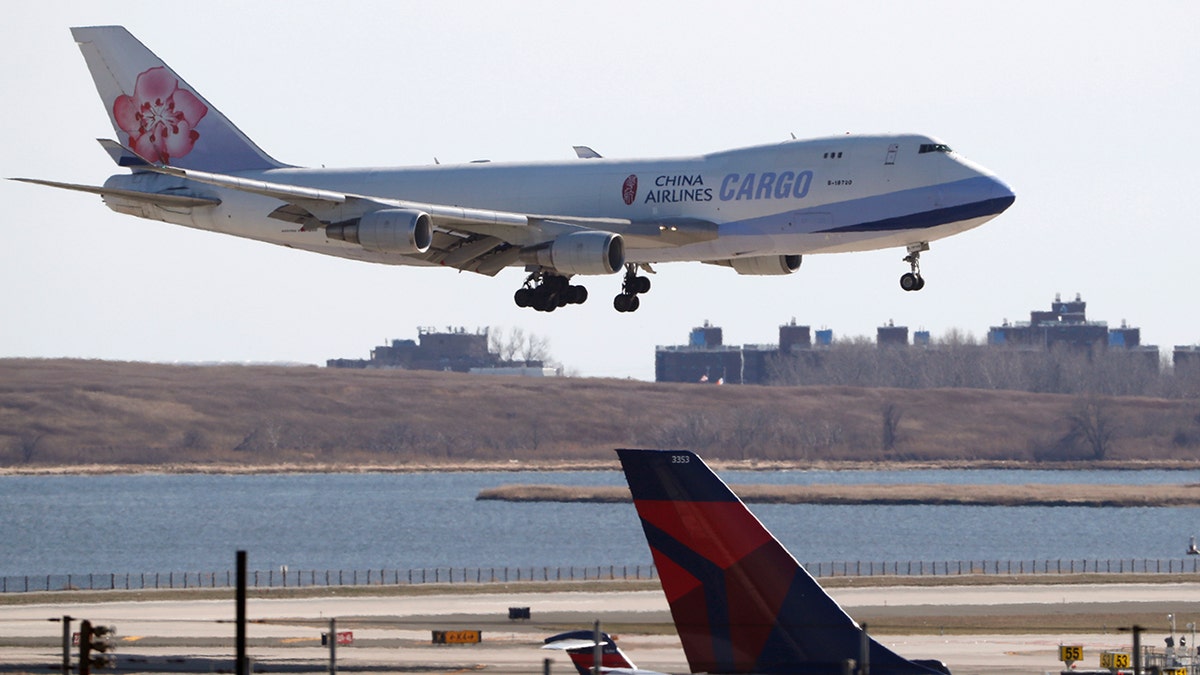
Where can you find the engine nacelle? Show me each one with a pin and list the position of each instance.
(390, 230)
(764, 265)
(582, 253)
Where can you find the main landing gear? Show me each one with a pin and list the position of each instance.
(547, 292)
(631, 287)
(913, 281)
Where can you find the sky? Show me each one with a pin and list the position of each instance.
(1088, 110)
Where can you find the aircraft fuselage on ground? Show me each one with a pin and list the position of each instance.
(756, 209)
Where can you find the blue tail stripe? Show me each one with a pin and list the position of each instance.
(712, 580)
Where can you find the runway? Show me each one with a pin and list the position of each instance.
(992, 629)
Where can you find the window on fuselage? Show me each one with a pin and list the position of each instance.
(933, 147)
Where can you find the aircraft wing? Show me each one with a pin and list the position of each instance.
(478, 240)
(162, 199)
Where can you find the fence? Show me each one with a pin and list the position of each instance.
(319, 578)
(485, 575)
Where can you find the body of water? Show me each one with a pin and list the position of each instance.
(159, 523)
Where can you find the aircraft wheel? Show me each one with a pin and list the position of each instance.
(621, 302)
(523, 297)
(634, 303)
(579, 295)
(642, 285)
(920, 283)
(909, 281)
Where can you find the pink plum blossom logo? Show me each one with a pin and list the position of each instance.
(160, 118)
(629, 189)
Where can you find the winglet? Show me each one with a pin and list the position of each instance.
(741, 603)
(584, 152)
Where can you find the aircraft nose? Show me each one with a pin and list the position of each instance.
(1000, 194)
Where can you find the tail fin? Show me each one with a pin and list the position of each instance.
(156, 113)
(741, 603)
(580, 646)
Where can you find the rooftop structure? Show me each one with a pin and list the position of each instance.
(455, 350)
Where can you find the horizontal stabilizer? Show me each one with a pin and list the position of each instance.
(120, 154)
(572, 643)
(581, 646)
(147, 197)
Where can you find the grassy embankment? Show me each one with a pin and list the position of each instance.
(914, 493)
(79, 415)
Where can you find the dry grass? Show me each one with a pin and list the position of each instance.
(991, 495)
(56, 413)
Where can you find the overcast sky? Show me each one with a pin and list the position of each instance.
(1087, 109)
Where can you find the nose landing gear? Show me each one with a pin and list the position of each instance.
(913, 281)
(631, 287)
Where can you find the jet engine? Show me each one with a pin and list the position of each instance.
(589, 252)
(763, 265)
(389, 230)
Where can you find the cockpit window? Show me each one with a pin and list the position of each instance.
(934, 147)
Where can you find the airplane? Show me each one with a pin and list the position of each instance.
(741, 603)
(756, 210)
(581, 645)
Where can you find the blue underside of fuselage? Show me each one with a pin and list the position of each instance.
(932, 218)
(918, 209)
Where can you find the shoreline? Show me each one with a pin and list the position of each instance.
(1126, 496)
(515, 466)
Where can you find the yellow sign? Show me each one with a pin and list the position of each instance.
(457, 637)
(1174, 671)
(1070, 653)
(1114, 660)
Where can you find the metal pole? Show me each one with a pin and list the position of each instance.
(85, 647)
(332, 646)
(1137, 649)
(597, 649)
(240, 640)
(66, 664)
(546, 666)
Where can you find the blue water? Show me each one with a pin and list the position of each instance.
(160, 523)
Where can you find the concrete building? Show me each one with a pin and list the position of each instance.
(705, 357)
(455, 350)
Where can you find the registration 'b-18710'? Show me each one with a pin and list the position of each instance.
(756, 209)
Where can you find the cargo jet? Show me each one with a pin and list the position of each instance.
(741, 603)
(756, 210)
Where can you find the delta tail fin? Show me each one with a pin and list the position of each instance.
(741, 603)
(158, 115)
(580, 645)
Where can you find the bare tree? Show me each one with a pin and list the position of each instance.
(536, 348)
(27, 444)
(513, 344)
(1092, 421)
(891, 425)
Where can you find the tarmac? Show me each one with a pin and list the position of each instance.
(986, 629)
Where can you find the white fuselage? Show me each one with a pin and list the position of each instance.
(836, 194)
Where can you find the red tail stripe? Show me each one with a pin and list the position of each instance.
(722, 532)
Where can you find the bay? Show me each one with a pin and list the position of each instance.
(195, 522)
